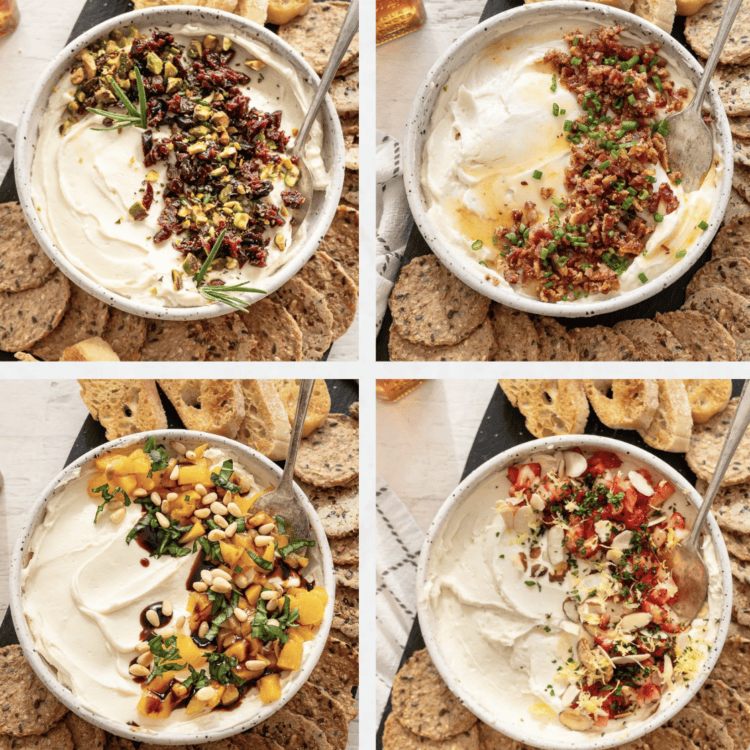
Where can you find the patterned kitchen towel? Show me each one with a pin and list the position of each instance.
(398, 541)
(7, 137)
(393, 217)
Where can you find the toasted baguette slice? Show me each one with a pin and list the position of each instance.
(283, 11)
(672, 424)
(124, 407)
(632, 405)
(551, 407)
(253, 10)
(214, 406)
(266, 427)
(95, 349)
(317, 411)
(707, 397)
(660, 12)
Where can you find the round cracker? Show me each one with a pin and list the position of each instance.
(346, 611)
(341, 242)
(347, 575)
(666, 737)
(477, 347)
(337, 508)
(701, 336)
(741, 181)
(706, 732)
(254, 742)
(602, 344)
(516, 338)
(431, 306)
(731, 507)
(86, 317)
(85, 736)
(733, 86)
(733, 666)
(310, 311)
(118, 743)
(317, 410)
(345, 551)
(337, 672)
(701, 30)
(423, 703)
(291, 730)
(652, 341)
(330, 456)
(741, 151)
(344, 93)
(738, 207)
(728, 308)
(174, 341)
(275, 335)
(740, 127)
(732, 240)
(316, 704)
(490, 739)
(126, 334)
(326, 276)
(23, 263)
(350, 192)
(58, 738)
(706, 444)
(397, 737)
(27, 317)
(314, 34)
(717, 699)
(26, 706)
(555, 343)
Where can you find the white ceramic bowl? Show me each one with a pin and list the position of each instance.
(563, 15)
(323, 204)
(503, 719)
(266, 472)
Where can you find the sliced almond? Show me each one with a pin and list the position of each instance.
(639, 482)
(575, 721)
(575, 464)
(635, 621)
(555, 545)
(570, 608)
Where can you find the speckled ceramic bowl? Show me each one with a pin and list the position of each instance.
(563, 15)
(324, 202)
(266, 472)
(503, 719)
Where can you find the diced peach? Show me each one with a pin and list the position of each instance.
(200, 450)
(243, 503)
(230, 553)
(252, 594)
(196, 706)
(238, 650)
(128, 483)
(290, 656)
(302, 561)
(189, 652)
(160, 683)
(197, 602)
(269, 552)
(190, 536)
(321, 593)
(154, 707)
(311, 609)
(98, 481)
(282, 540)
(305, 632)
(136, 463)
(184, 505)
(198, 473)
(270, 688)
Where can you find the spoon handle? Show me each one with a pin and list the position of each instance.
(303, 401)
(722, 35)
(346, 34)
(735, 434)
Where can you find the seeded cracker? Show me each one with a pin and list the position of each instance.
(345, 94)
(347, 575)
(27, 317)
(431, 306)
(118, 743)
(700, 335)
(733, 86)
(731, 507)
(337, 507)
(738, 207)
(58, 738)
(350, 192)
(740, 127)
(322, 709)
(345, 551)
(397, 737)
(330, 456)
(489, 739)
(741, 151)
(705, 731)
(652, 341)
(701, 30)
(174, 341)
(23, 263)
(292, 731)
(728, 308)
(555, 344)
(327, 277)
(85, 736)
(732, 240)
(346, 611)
(477, 347)
(227, 339)
(254, 742)
(741, 180)
(26, 706)
(664, 737)
(310, 311)
(314, 34)
(275, 335)
(602, 344)
(705, 446)
(337, 672)
(423, 703)
(126, 334)
(719, 700)
(352, 152)
(341, 242)
(86, 317)
(516, 338)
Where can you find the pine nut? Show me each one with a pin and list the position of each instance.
(175, 473)
(221, 586)
(145, 659)
(212, 497)
(254, 664)
(221, 522)
(206, 693)
(109, 473)
(219, 573)
(219, 509)
(178, 447)
(202, 513)
(251, 576)
(200, 587)
(166, 608)
(201, 490)
(216, 535)
(266, 528)
(167, 632)
(272, 605)
(234, 509)
(227, 498)
(240, 614)
(172, 463)
(172, 496)
(180, 622)
(115, 505)
(203, 629)
(138, 670)
(276, 585)
(207, 577)
(163, 520)
(156, 499)
(118, 516)
(153, 617)
(263, 541)
(268, 595)
(142, 647)
(190, 455)
(242, 581)
(140, 492)
(231, 529)
(273, 622)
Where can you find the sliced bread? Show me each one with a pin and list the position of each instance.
(266, 426)
(124, 407)
(551, 407)
(317, 411)
(214, 406)
(672, 424)
(631, 405)
(707, 397)
(95, 349)
(659, 12)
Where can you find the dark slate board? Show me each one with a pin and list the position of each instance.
(670, 299)
(343, 394)
(502, 428)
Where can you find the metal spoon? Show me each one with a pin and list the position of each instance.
(686, 562)
(304, 184)
(690, 145)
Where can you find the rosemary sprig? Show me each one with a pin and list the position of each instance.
(137, 117)
(222, 293)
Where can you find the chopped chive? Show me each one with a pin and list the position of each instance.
(482, 263)
(629, 124)
(678, 181)
(631, 190)
(553, 87)
(555, 110)
(650, 179)
(477, 245)
(628, 64)
(583, 128)
(703, 226)
(627, 203)
(658, 218)
(512, 238)
(606, 163)
(537, 174)
(642, 278)
(631, 100)
(642, 68)
(563, 111)
(653, 62)
(575, 61)
(643, 195)
(567, 126)
(681, 254)
(617, 103)
(657, 82)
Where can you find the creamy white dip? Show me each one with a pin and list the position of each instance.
(492, 127)
(83, 591)
(84, 182)
(504, 640)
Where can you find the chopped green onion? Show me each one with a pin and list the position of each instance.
(555, 109)
(617, 103)
(658, 218)
(681, 254)
(575, 61)
(477, 245)
(629, 124)
(482, 263)
(657, 82)
(653, 62)
(583, 128)
(678, 181)
(575, 41)
(628, 64)
(642, 278)
(606, 163)
(703, 226)
(627, 203)
(631, 100)
(553, 87)
(537, 174)
(650, 179)
(512, 238)
(567, 126)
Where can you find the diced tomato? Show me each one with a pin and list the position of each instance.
(513, 474)
(677, 521)
(601, 461)
(524, 475)
(648, 693)
(663, 491)
(601, 721)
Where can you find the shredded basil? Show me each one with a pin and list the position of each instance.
(258, 560)
(165, 655)
(107, 497)
(157, 455)
(222, 479)
(294, 546)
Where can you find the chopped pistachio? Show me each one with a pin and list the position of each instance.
(183, 212)
(191, 265)
(219, 171)
(89, 65)
(231, 263)
(225, 194)
(124, 65)
(224, 138)
(77, 76)
(116, 34)
(196, 148)
(112, 46)
(199, 131)
(64, 127)
(133, 32)
(280, 241)
(226, 44)
(195, 50)
(138, 211)
(287, 162)
(220, 119)
(123, 83)
(73, 108)
(200, 217)
(152, 176)
(105, 96)
(176, 280)
(255, 64)
(228, 152)
(170, 70)
(210, 42)
(292, 176)
(284, 211)
(154, 63)
(241, 220)
(202, 112)
(173, 84)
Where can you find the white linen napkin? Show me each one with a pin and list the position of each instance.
(7, 139)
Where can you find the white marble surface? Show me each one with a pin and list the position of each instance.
(424, 439)
(403, 63)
